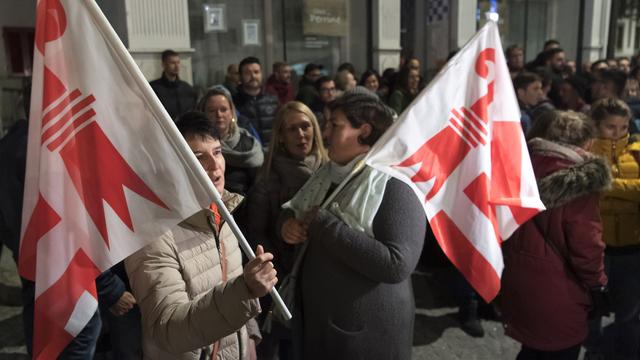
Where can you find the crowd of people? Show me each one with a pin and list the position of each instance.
(345, 238)
(578, 260)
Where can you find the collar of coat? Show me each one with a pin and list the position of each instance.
(201, 220)
(585, 175)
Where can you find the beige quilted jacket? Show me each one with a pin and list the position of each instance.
(185, 305)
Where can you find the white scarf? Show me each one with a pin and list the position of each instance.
(356, 204)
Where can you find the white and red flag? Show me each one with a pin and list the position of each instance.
(460, 147)
(107, 170)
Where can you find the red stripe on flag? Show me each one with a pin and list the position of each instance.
(475, 268)
(456, 123)
(53, 145)
(66, 117)
(53, 88)
(42, 220)
(478, 194)
(506, 177)
(439, 157)
(54, 306)
(475, 119)
(61, 106)
(468, 127)
(85, 158)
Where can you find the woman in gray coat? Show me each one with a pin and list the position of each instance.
(355, 299)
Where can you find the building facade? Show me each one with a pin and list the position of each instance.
(211, 34)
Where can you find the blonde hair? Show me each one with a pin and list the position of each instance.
(219, 90)
(278, 127)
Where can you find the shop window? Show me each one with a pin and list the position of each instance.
(620, 37)
(18, 44)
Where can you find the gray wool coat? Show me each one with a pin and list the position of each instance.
(355, 298)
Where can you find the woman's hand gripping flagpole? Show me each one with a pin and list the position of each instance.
(246, 248)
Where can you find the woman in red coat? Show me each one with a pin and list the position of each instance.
(555, 260)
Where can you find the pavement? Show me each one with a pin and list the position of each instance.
(436, 332)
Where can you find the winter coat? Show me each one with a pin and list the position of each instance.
(620, 206)
(307, 92)
(13, 151)
(177, 97)
(259, 110)
(264, 203)
(545, 300)
(184, 302)
(400, 100)
(356, 296)
(284, 91)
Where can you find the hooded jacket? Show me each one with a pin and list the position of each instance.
(620, 206)
(545, 296)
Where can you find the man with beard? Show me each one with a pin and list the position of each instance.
(515, 59)
(279, 83)
(252, 102)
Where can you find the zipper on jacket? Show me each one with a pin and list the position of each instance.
(216, 235)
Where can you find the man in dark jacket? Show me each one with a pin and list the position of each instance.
(307, 88)
(253, 103)
(175, 95)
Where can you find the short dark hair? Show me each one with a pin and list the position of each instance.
(524, 79)
(549, 54)
(278, 65)
(615, 76)
(598, 62)
(545, 75)
(579, 84)
(168, 53)
(604, 108)
(511, 49)
(321, 80)
(364, 108)
(248, 61)
(347, 66)
(196, 123)
(551, 42)
(311, 67)
(365, 75)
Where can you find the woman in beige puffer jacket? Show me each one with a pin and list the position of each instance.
(196, 300)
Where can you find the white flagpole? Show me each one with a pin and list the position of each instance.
(173, 135)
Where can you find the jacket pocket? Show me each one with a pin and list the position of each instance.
(346, 343)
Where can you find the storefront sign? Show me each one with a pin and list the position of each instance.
(325, 17)
(313, 42)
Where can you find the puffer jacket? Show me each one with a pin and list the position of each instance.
(545, 294)
(184, 302)
(620, 206)
(259, 110)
